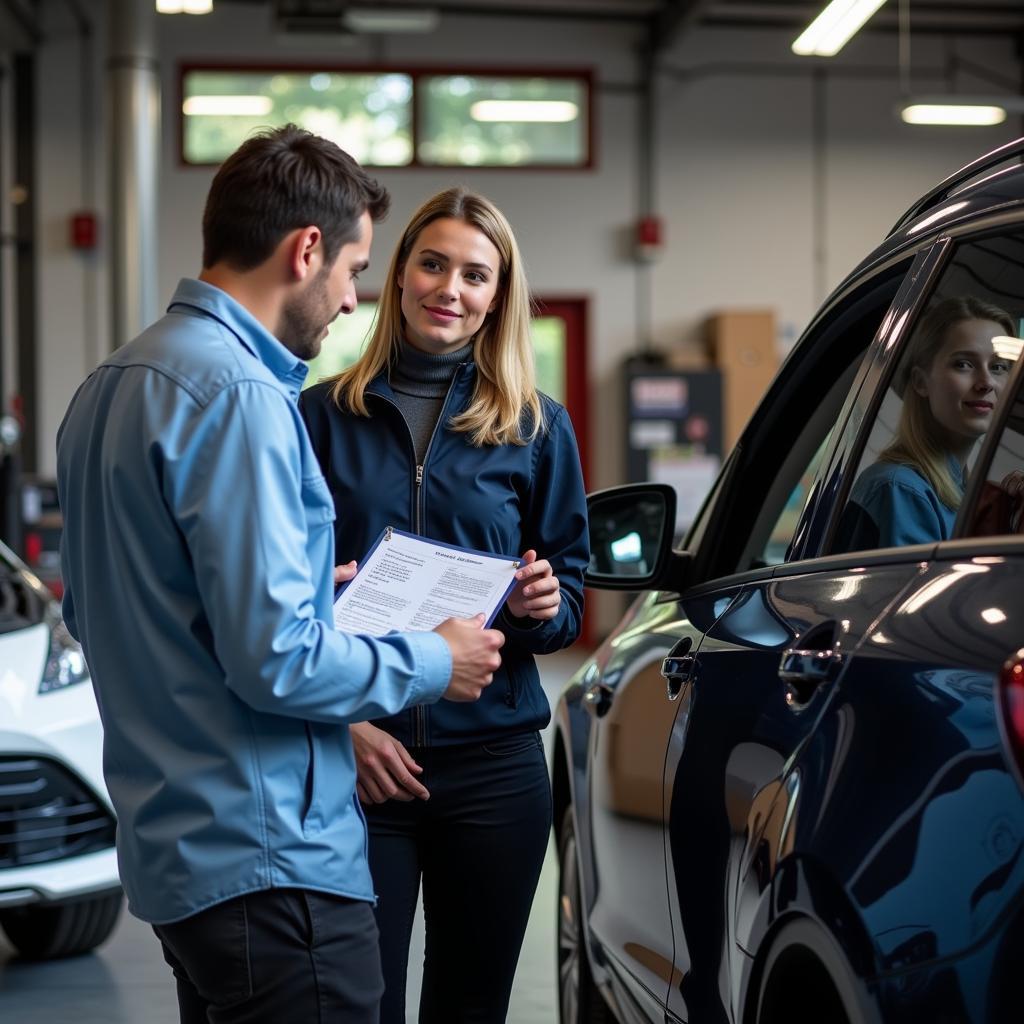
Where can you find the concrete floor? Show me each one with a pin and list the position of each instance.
(127, 982)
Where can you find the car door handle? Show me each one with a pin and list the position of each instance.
(597, 699)
(803, 671)
(678, 667)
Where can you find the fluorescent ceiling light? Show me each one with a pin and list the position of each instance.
(184, 6)
(242, 106)
(390, 19)
(954, 111)
(1007, 348)
(524, 110)
(830, 30)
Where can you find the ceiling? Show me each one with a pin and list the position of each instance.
(995, 17)
(668, 20)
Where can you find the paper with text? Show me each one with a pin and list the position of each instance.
(409, 583)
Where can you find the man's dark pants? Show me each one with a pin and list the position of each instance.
(277, 955)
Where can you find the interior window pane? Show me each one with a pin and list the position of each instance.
(479, 120)
(343, 344)
(348, 335)
(548, 334)
(367, 115)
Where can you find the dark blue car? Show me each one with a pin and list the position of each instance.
(788, 786)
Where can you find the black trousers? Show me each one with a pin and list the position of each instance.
(275, 956)
(478, 844)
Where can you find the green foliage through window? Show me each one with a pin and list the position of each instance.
(367, 115)
(463, 120)
(348, 336)
(475, 120)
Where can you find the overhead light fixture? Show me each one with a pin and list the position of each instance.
(978, 111)
(832, 29)
(555, 111)
(1007, 348)
(390, 19)
(228, 106)
(184, 6)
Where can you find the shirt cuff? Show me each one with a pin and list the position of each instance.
(432, 652)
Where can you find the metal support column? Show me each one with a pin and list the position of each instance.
(133, 87)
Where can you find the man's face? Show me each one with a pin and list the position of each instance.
(331, 291)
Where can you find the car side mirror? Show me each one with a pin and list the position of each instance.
(631, 533)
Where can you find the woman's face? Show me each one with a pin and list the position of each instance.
(965, 379)
(449, 284)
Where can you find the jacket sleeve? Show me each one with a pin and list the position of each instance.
(236, 490)
(311, 410)
(556, 526)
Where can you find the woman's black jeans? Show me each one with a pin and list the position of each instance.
(478, 843)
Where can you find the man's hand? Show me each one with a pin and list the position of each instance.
(384, 768)
(536, 594)
(475, 656)
(343, 573)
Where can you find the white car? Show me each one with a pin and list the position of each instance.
(59, 887)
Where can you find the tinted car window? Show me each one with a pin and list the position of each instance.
(939, 403)
(782, 462)
(999, 507)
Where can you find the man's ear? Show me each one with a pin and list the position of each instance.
(305, 251)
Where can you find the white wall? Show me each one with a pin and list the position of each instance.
(735, 180)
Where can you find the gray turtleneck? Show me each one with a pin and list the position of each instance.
(420, 382)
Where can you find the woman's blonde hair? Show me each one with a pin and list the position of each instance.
(505, 382)
(918, 444)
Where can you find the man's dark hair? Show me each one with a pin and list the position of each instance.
(282, 179)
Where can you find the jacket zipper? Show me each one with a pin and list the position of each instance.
(419, 718)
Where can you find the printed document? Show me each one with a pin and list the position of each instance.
(409, 583)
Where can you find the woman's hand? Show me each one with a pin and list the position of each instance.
(536, 594)
(384, 768)
(343, 573)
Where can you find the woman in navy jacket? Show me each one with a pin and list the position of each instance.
(439, 430)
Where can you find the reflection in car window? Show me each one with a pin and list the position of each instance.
(1000, 505)
(781, 509)
(785, 526)
(940, 403)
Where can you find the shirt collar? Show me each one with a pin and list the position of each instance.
(254, 337)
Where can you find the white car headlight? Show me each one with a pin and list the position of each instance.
(65, 663)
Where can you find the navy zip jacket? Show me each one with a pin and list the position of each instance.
(502, 499)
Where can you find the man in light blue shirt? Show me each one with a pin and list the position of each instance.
(197, 559)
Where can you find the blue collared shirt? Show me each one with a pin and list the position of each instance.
(197, 559)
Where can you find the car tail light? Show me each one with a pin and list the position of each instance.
(1011, 703)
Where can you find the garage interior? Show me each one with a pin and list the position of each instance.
(729, 184)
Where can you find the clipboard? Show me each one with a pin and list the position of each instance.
(408, 583)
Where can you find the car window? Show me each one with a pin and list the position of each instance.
(758, 513)
(939, 402)
(999, 505)
(790, 488)
(781, 535)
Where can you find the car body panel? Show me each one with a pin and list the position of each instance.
(745, 728)
(875, 808)
(62, 726)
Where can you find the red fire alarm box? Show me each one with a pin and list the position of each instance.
(83, 230)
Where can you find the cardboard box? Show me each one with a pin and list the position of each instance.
(743, 346)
